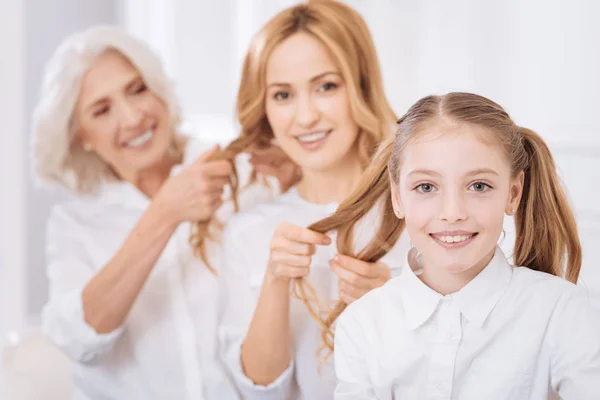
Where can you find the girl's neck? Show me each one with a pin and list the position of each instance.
(445, 282)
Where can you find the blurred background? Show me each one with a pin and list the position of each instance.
(540, 59)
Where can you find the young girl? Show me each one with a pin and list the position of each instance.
(311, 80)
(462, 322)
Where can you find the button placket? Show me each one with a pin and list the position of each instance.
(443, 350)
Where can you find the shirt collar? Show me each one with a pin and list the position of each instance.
(479, 297)
(420, 301)
(475, 301)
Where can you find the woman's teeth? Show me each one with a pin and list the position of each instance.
(140, 140)
(312, 137)
(454, 239)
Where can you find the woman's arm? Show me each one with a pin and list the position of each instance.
(266, 352)
(109, 296)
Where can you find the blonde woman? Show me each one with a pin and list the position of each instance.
(129, 302)
(311, 80)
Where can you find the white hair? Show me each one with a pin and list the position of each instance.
(57, 157)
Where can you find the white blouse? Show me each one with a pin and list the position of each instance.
(167, 347)
(511, 333)
(246, 247)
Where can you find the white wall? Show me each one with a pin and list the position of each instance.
(30, 31)
(46, 24)
(12, 180)
(540, 59)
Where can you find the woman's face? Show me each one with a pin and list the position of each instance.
(308, 106)
(120, 119)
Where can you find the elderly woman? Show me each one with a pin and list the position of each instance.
(130, 303)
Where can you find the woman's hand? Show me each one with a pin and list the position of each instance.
(358, 277)
(274, 162)
(196, 192)
(292, 248)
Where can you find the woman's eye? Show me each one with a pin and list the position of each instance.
(100, 111)
(327, 87)
(281, 95)
(141, 88)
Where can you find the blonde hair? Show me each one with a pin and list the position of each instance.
(546, 231)
(345, 34)
(58, 158)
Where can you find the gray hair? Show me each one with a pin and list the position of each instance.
(57, 157)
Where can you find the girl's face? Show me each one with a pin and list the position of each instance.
(453, 191)
(308, 106)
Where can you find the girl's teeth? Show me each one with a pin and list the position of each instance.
(140, 140)
(453, 239)
(312, 137)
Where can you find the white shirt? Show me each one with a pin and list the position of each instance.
(511, 333)
(246, 244)
(167, 347)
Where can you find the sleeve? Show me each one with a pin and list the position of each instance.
(239, 291)
(351, 366)
(574, 340)
(68, 272)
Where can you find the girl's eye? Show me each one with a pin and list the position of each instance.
(425, 188)
(480, 187)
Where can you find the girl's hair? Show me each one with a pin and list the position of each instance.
(346, 36)
(546, 231)
(60, 159)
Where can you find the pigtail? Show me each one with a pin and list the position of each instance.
(545, 224)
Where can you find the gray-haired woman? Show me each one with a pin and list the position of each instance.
(129, 303)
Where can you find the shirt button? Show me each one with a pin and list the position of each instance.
(439, 387)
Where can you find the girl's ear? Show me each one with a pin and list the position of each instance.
(396, 202)
(516, 192)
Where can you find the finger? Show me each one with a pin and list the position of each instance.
(282, 257)
(304, 235)
(351, 278)
(290, 271)
(208, 185)
(346, 298)
(213, 192)
(363, 268)
(208, 155)
(209, 200)
(283, 244)
(218, 168)
(351, 291)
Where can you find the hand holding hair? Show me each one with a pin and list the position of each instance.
(357, 277)
(272, 161)
(195, 194)
(292, 248)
